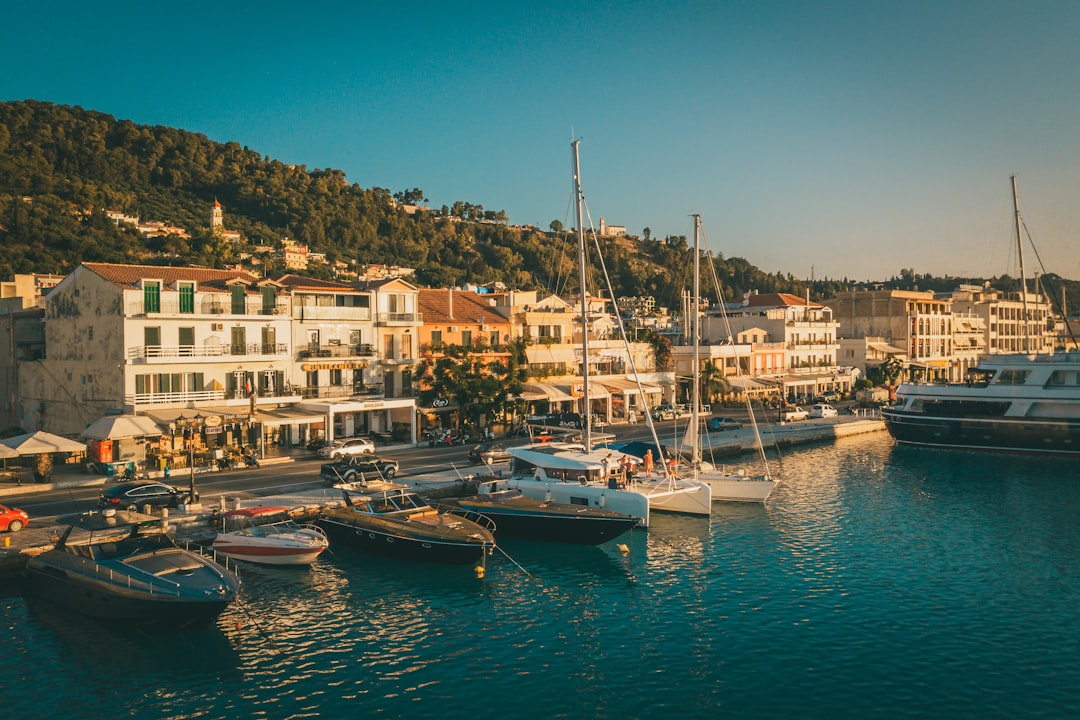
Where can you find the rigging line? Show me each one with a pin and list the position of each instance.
(1054, 303)
(516, 563)
(266, 636)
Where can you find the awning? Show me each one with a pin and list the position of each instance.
(544, 391)
(116, 427)
(746, 383)
(41, 443)
(620, 386)
(540, 354)
(885, 348)
(287, 416)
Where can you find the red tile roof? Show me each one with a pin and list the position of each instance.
(778, 300)
(130, 275)
(468, 307)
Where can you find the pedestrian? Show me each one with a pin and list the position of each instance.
(605, 464)
(648, 462)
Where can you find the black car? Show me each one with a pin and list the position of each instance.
(719, 424)
(488, 453)
(359, 468)
(134, 495)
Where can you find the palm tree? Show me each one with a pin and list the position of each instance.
(714, 381)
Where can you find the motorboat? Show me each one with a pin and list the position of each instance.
(126, 568)
(267, 534)
(391, 519)
(1027, 403)
(516, 515)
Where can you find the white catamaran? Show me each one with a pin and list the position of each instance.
(582, 474)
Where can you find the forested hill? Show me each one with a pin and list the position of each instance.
(61, 167)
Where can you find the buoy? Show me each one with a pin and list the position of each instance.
(622, 548)
(479, 571)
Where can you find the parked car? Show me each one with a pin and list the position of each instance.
(719, 424)
(829, 396)
(667, 411)
(822, 410)
(13, 519)
(361, 467)
(133, 495)
(488, 453)
(348, 447)
(793, 413)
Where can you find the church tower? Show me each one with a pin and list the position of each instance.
(217, 221)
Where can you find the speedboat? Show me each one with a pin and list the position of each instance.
(128, 570)
(267, 534)
(393, 520)
(516, 515)
(1027, 403)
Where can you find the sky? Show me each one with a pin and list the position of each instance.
(839, 139)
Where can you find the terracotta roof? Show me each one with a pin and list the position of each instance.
(130, 275)
(468, 307)
(296, 282)
(778, 300)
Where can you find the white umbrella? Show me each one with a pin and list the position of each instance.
(115, 427)
(40, 442)
(6, 452)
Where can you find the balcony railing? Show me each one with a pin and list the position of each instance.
(400, 317)
(252, 306)
(174, 398)
(336, 351)
(170, 352)
(317, 312)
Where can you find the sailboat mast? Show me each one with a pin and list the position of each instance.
(695, 319)
(579, 200)
(1023, 275)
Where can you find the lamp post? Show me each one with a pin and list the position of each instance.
(193, 493)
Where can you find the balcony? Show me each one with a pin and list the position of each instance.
(207, 306)
(316, 312)
(171, 353)
(388, 318)
(340, 391)
(337, 351)
(231, 397)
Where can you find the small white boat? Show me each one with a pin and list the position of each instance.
(268, 535)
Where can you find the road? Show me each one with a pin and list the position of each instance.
(283, 478)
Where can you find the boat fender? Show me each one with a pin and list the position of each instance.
(479, 571)
(603, 500)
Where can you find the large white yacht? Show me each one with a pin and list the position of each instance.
(1014, 403)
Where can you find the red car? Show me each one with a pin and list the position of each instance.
(12, 519)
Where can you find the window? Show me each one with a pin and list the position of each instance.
(269, 340)
(269, 300)
(239, 295)
(187, 297)
(466, 337)
(335, 377)
(239, 341)
(151, 296)
(152, 337)
(186, 338)
(436, 337)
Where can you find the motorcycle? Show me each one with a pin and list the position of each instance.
(251, 460)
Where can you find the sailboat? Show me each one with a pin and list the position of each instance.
(580, 473)
(726, 486)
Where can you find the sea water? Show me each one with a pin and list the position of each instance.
(878, 581)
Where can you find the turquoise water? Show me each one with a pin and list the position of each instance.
(878, 582)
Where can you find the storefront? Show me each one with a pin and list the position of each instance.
(384, 418)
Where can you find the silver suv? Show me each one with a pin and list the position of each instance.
(348, 448)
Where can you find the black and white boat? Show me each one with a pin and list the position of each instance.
(393, 520)
(1013, 403)
(516, 515)
(128, 569)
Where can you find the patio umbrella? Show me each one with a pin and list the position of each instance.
(115, 427)
(37, 443)
(6, 452)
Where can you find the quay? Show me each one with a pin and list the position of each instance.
(192, 524)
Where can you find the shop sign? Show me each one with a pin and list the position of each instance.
(213, 421)
(213, 429)
(341, 365)
(440, 402)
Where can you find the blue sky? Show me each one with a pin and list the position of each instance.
(843, 139)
